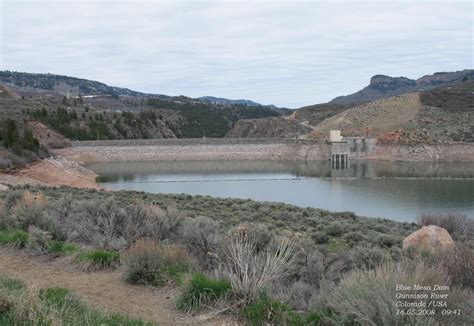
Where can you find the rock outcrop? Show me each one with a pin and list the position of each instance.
(431, 238)
(382, 86)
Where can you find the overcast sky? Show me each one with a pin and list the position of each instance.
(289, 53)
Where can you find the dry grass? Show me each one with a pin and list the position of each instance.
(374, 118)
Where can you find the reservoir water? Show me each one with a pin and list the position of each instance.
(394, 190)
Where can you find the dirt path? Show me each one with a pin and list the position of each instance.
(103, 290)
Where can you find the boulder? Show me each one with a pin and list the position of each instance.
(432, 238)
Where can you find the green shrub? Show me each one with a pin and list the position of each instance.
(17, 239)
(266, 311)
(320, 237)
(148, 262)
(99, 259)
(61, 247)
(202, 291)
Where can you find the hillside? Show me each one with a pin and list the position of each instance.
(82, 109)
(444, 114)
(61, 84)
(297, 124)
(382, 86)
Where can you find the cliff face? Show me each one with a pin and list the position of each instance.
(382, 86)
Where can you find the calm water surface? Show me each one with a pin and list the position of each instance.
(398, 191)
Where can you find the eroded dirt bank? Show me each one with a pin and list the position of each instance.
(53, 171)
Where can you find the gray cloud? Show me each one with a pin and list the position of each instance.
(289, 53)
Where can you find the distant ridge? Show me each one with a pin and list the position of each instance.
(382, 86)
(226, 101)
(75, 86)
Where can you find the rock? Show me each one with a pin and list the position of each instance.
(430, 238)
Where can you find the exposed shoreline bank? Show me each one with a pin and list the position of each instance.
(67, 166)
(52, 171)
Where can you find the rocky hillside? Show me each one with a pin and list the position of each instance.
(82, 109)
(296, 125)
(382, 86)
(61, 84)
(444, 114)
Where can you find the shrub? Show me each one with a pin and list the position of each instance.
(98, 259)
(60, 247)
(38, 238)
(17, 239)
(459, 264)
(322, 267)
(201, 291)
(298, 294)
(388, 240)
(320, 237)
(98, 224)
(29, 210)
(151, 221)
(202, 236)
(266, 311)
(369, 297)
(10, 199)
(367, 257)
(148, 262)
(458, 225)
(334, 229)
(353, 238)
(250, 271)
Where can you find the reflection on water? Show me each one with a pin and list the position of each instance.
(361, 187)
